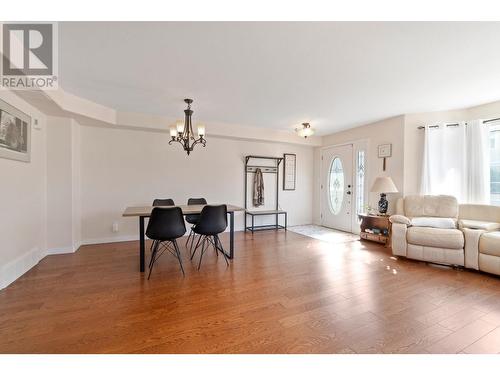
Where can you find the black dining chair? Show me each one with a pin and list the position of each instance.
(164, 227)
(163, 202)
(212, 222)
(193, 219)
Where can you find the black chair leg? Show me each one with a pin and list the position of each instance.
(178, 256)
(152, 246)
(204, 246)
(218, 247)
(189, 238)
(153, 258)
(215, 246)
(196, 247)
(192, 241)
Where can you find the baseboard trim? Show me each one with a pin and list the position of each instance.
(62, 250)
(19, 266)
(95, 241)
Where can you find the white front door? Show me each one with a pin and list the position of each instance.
(336, 187)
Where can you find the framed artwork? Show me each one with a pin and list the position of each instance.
(289, 171)
(15, 133)
(385, 151)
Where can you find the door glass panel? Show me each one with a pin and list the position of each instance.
(336, 186)
(360, 182)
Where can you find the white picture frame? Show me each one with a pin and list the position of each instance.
(385, 150)
(289, 171)
(15, 133)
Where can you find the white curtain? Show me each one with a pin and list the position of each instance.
(478, 163)
(456, 162)
(444, 161)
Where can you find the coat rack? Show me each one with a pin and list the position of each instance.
(276, 212)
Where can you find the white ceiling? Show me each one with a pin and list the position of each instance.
(335, 75)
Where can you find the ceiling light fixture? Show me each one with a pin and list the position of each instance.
(183, 132)
(305, 131)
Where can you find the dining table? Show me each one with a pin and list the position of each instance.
(143, 212)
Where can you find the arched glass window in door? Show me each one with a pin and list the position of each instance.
(360, 182)
(336, 186)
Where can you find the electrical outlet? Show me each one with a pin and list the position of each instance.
(115, 227)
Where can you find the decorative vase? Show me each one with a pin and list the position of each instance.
(383, 204)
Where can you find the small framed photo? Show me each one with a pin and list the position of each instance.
(385, 151)
(289, 171)
(15, 133)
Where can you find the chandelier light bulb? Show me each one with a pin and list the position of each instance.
(201, 130)
(180, 126)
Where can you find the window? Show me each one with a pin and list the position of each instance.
(360, 181)
(495, 164)
(336, 186)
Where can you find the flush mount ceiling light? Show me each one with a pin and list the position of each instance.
(305, 131)
(183, 132)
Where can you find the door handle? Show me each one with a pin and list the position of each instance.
(348, 192)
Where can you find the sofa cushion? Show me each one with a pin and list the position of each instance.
(489, 263)
(434, 222)
(477, 224)
(436, 237)
(489, 243)
(431, 205)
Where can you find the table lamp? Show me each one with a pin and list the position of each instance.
(383, 185)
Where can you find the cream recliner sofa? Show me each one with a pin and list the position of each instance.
(436, 245)
(473, 242)
(481, 227)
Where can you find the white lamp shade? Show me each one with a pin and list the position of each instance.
(305, 132)
(384, 185)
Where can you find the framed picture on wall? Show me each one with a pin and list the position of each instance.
(289, 171)
(385, 151)
(15, 133)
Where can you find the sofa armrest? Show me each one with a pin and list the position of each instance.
(400, 219)
(471, 248)
(398, 239)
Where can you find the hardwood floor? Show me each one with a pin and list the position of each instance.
(283, 293)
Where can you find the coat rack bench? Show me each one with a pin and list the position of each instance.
(274, 169)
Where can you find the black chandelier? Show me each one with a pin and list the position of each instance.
(183, 132)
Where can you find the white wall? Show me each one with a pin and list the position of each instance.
(63, 185)
(23, 202)
(59, 183)
(121, 167)
(386, 131)
(76, 200)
